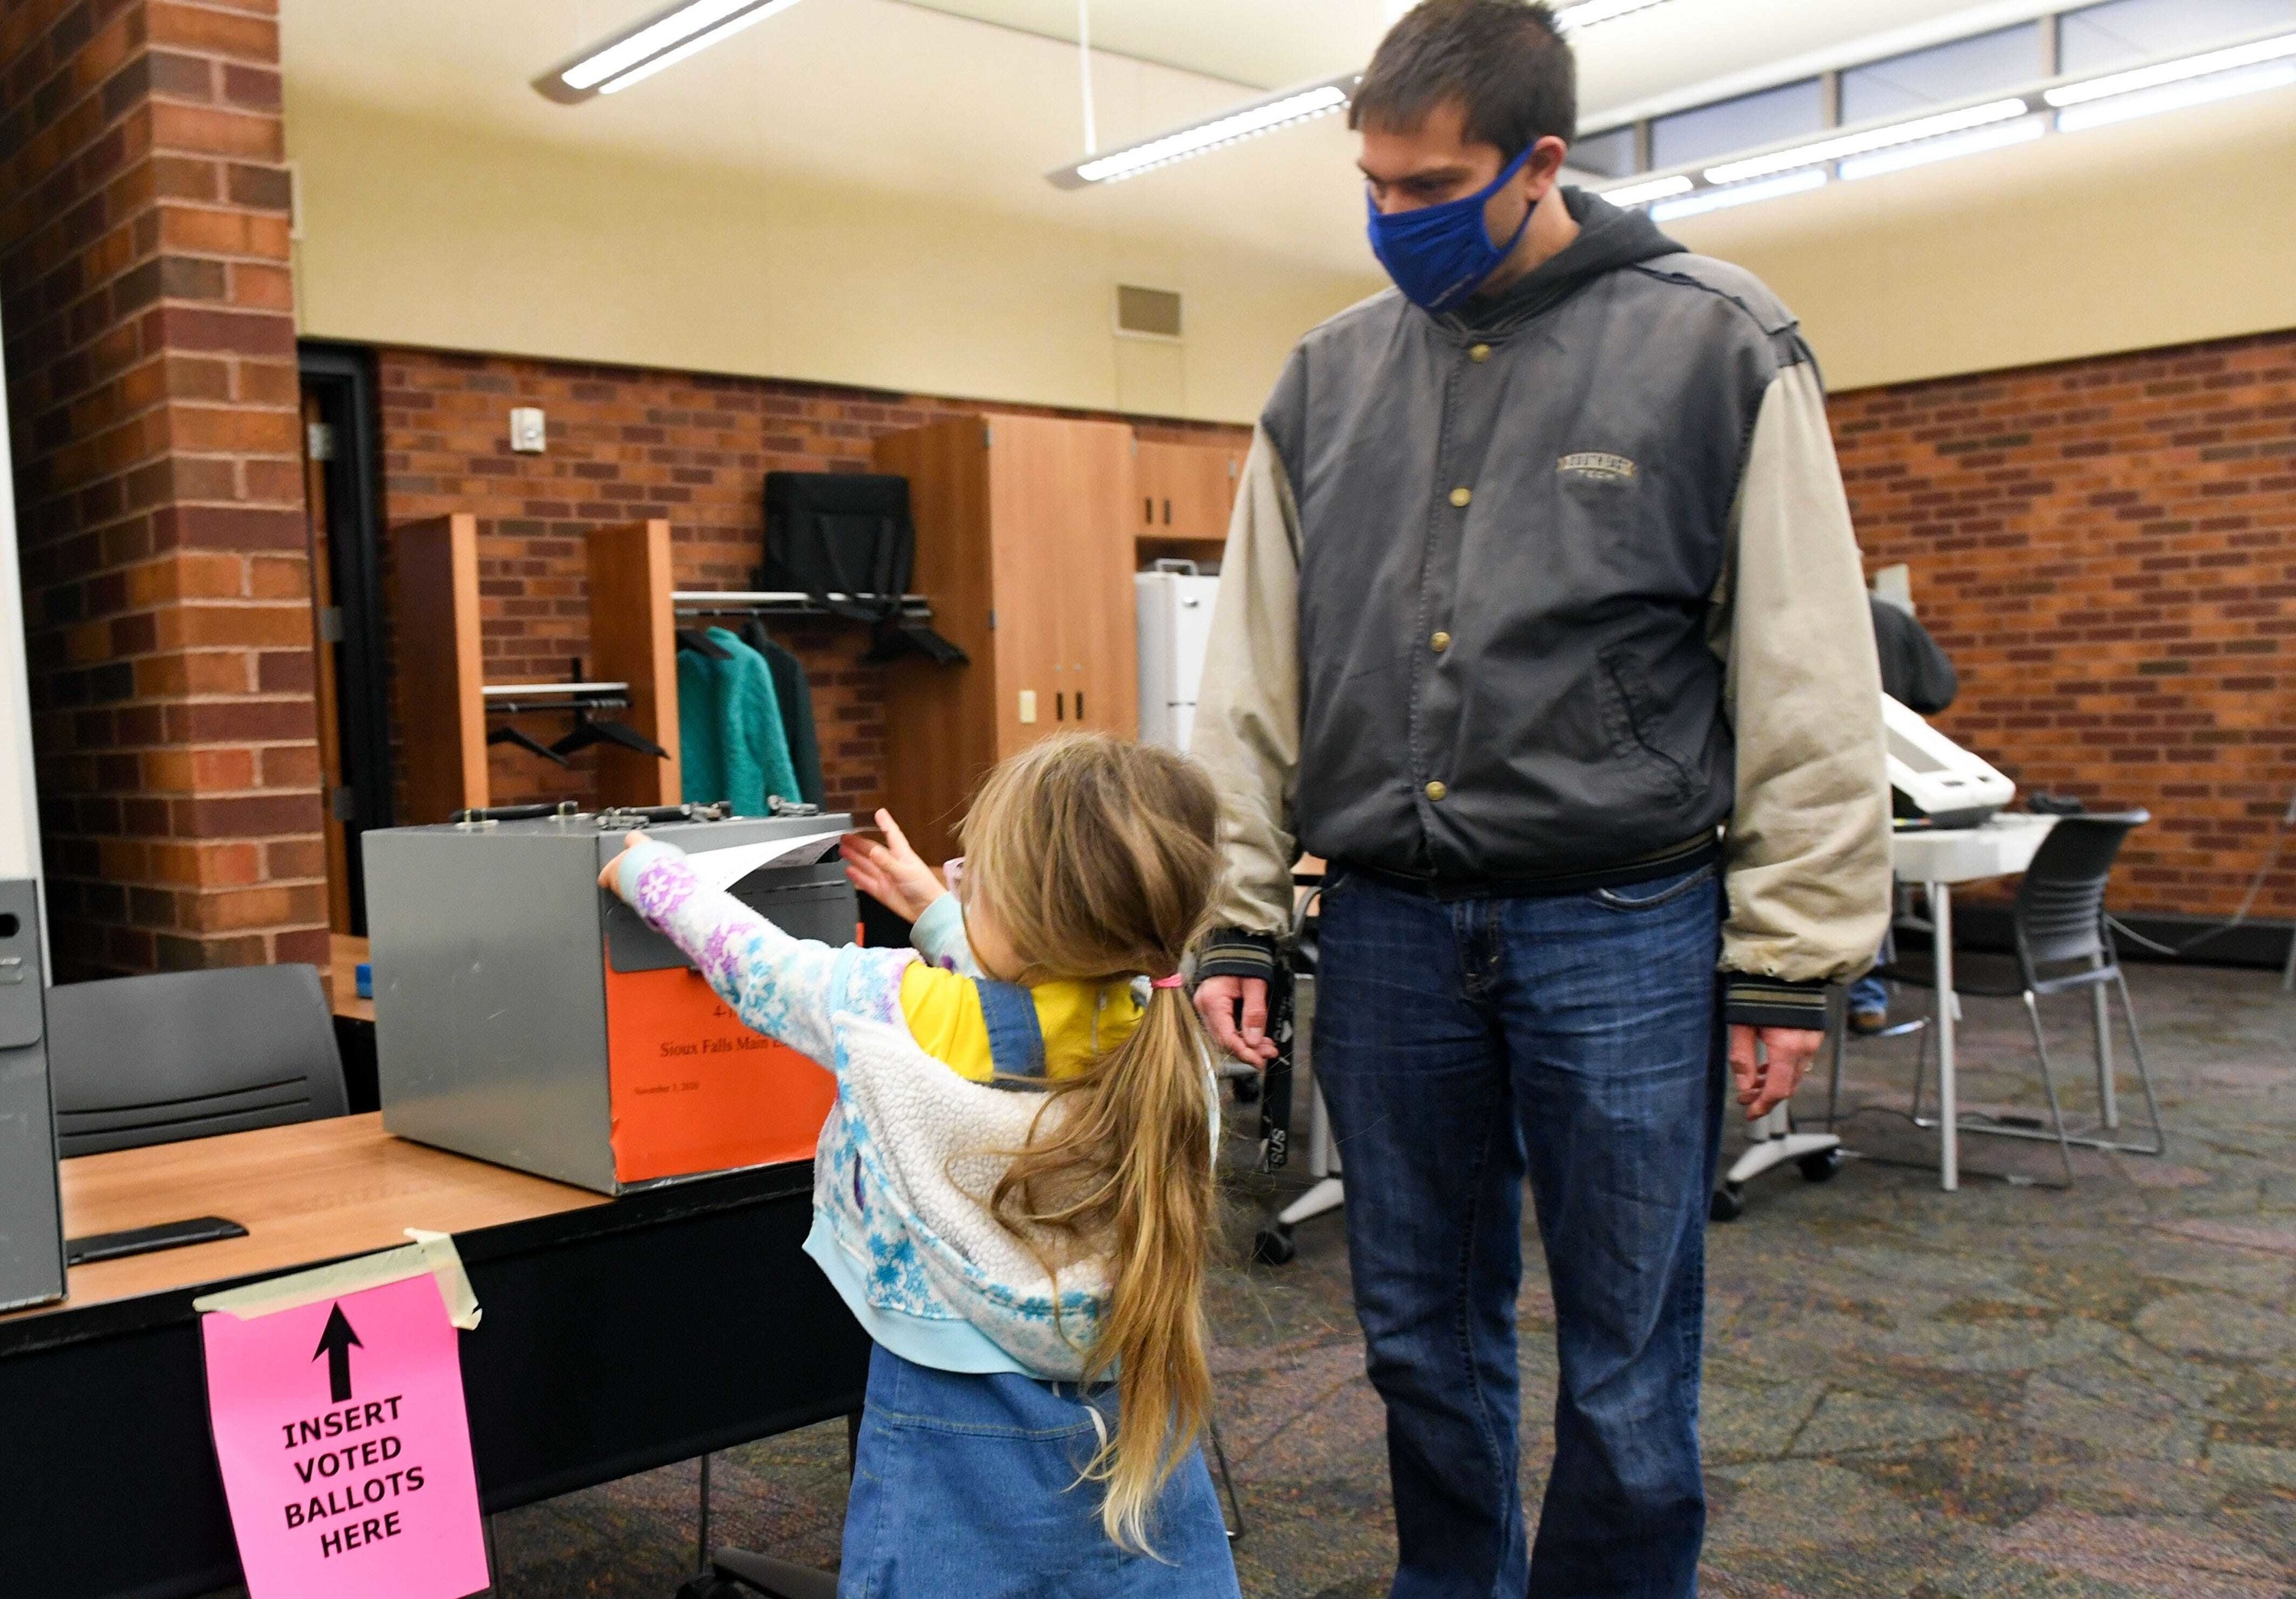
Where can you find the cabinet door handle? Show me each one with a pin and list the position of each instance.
(1168, 513)
(1148, 510)
(1079, 705)
(1060, 703)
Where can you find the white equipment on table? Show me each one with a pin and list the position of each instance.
(1931, 775)
(1176, 626)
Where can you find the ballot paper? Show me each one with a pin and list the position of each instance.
(723, 868)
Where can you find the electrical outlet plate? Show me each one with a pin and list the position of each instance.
(526, 429)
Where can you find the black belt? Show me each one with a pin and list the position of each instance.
(1685, 856)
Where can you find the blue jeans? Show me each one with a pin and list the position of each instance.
(1869, 994)
(1576, 1040)
(966, 1484)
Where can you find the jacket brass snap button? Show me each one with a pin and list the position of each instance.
(1441, 642)
(1481, 352)
(1460, 496)
(1435, 791)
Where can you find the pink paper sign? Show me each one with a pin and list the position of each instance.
(345, 1448)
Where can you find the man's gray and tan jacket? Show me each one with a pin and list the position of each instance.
(1556, 593)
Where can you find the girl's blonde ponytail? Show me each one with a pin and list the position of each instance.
(1100, 859)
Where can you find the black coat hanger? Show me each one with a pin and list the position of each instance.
(508, 734)
(702, 644)
(587, 732)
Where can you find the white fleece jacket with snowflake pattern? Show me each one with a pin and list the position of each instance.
(898, 1225)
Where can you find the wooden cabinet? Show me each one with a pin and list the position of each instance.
(1182, 503)
(1023, 549)
(442, 696)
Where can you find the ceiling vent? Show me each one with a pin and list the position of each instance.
(1147, 313)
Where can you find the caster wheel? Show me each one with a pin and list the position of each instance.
(1821, 1167)
(1247, 1090)
(1274, 1246)
(1728, 1203)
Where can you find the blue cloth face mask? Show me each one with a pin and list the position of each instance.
(1438, 254)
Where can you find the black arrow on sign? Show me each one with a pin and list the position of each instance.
(335, 1343)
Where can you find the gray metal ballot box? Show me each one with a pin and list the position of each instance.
(31, 1213)
(523, 1015)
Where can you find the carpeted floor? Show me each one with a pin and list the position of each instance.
(2011, 1391)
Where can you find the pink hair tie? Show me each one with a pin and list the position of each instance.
(1173, 982)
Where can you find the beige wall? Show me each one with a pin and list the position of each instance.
(2158, 232)
(421, 232)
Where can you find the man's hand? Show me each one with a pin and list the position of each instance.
(891, 873)
(1765, 1085)
(1218, 999)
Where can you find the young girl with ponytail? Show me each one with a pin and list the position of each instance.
(1014, 1190)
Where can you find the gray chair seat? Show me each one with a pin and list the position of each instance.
(137, 1061)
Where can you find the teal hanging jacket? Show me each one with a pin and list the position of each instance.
(700, 754)
(732, 745)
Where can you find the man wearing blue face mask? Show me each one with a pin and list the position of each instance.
(1542, 619)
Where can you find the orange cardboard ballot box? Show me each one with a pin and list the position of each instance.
(525, 1016)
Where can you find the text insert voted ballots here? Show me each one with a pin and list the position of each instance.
(345, 1446)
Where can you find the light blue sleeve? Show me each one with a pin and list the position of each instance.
(938, 935)
(786, 988)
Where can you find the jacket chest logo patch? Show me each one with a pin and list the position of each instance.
(1595, 463)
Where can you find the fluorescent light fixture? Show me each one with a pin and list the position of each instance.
(1873, 138)
(2176, 96)
(2277, 48)
(1719, 199)
(1587, 12)
(1656, 188)
(1261, 116)
(1999, 137)
(662, 40)
(1280, 109)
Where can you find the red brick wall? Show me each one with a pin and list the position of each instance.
(152, 404)
(2107, 548)
(627, 443)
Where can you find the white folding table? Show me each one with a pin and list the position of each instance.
(1938, 858)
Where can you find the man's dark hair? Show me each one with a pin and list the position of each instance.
(1504, 60)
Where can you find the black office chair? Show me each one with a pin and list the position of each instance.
(2062, 944)
(182, 1055)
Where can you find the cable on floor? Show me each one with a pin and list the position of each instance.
(2247, 903)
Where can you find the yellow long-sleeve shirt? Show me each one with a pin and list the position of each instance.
(1078, 1020)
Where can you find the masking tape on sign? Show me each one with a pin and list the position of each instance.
(430, 1252)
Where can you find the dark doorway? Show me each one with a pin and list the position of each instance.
(342, 488)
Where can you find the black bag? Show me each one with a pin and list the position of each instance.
(846, 535)
(845, 540)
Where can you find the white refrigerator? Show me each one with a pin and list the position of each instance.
(1175, 621)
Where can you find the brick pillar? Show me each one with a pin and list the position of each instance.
(152, 402)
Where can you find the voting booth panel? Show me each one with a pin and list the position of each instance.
(525, 1016)
(31, 1225)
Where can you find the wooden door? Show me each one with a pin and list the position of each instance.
(1061, 493)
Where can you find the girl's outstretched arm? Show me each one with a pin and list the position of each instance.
(777, 984)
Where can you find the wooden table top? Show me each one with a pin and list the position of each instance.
(342, 978)
(314, 1191)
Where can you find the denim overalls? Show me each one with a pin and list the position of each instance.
(969, 1484)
